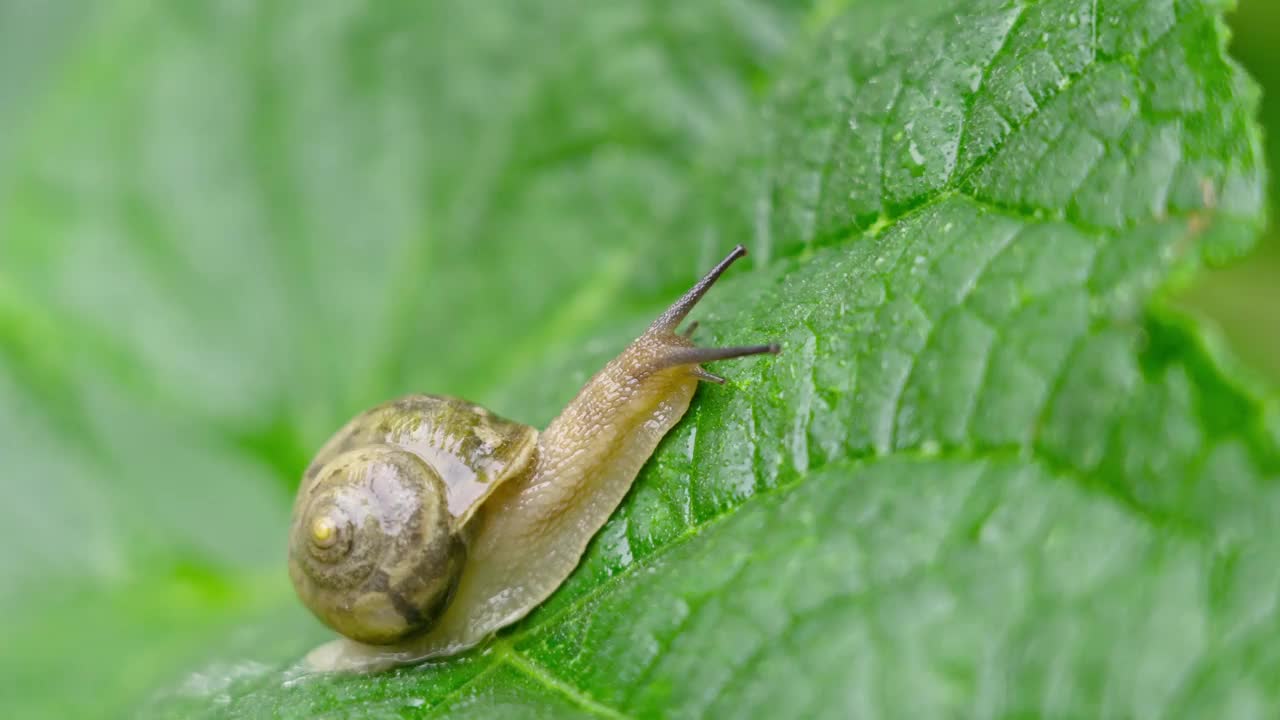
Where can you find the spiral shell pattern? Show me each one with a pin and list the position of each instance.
(372, 548)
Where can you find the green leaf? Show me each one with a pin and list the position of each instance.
(991, 474)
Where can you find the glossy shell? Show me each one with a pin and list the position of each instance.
(380, 526)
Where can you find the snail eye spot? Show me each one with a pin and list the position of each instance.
(323, 530)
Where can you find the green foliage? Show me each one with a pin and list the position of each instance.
(991, 473)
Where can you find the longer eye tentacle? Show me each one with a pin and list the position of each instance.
(668, 320)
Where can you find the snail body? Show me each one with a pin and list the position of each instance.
(428, 523)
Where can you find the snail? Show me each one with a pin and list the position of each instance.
(426, 524)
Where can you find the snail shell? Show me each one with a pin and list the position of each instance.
(378, 539)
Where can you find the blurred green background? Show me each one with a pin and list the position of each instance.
(1244, 298)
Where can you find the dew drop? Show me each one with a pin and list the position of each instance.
(916, 156)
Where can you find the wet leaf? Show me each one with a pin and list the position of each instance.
(991, 474)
